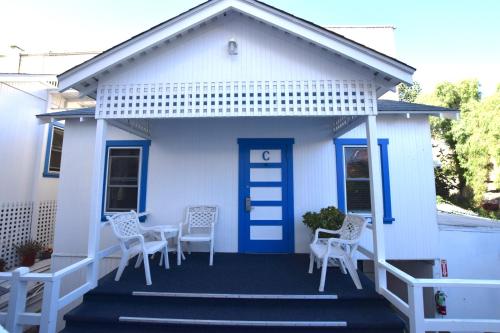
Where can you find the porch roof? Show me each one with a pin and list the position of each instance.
(384, 107)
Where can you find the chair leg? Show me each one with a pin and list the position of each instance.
(165, 256)
(161, 258)
(139, 260)
(146, 269)
(179, 253)
(123, 264)
(323, 274)
(188, 245)
(311, 262)
(211, 262)
(352, 272)
(342, 266)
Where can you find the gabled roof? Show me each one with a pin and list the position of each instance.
(387, 70)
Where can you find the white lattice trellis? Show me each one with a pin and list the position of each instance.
(44, 228)
(237, 98)
(17, 225)
(15, 228)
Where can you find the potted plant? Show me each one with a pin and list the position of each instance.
(28, 251)
(3, 263)
(330, 218)
(45, 253)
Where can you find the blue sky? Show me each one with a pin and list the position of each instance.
(443, 39)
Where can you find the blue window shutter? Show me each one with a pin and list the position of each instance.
(384, 161)
(144, 144)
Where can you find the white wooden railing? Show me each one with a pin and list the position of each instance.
(414, 307)
(16, 316)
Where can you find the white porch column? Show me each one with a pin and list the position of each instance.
(96, 200)
(376, 197)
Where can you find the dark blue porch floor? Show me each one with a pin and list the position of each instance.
(237, 274)
(112, 307)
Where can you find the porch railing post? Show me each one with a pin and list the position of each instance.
(50, 306)
(376, 198)
(96, 200)
(17, 300)
(416, 313)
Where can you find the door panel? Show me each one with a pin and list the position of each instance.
(266, 196)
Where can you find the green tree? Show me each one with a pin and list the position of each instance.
(409, 93)
(454, 96)
(472, 142)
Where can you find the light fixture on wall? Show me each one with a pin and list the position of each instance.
(232, 47)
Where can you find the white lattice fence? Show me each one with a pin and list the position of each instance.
(17, 226)
(44, 228)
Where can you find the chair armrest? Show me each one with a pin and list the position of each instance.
(342, 241)
(139, 237)
(326, 231)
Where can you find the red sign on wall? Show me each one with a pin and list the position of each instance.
(444, 268)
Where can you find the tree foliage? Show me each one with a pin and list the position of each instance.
(409, 93)
(471, 144)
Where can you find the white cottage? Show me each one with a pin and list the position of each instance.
(238, 104)
(234, 100)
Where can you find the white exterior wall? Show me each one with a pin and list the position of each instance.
(23, 143)
(471, 253)
(413, 234)
(264, 53)
(195, 161)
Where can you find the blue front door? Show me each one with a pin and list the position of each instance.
(266, 223)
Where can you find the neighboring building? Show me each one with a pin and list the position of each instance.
(31, 154)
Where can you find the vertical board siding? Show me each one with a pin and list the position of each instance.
(268, 60)
(413, 234)
(195, 161)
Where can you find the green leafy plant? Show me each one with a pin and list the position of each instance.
(328, 218)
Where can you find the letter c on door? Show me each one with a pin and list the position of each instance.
(265, 155)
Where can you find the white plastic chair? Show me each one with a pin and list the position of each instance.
(200, 222)
(127, 229)
(341, 248)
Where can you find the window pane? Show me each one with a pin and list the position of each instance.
(121, 199)
(358, 196)
(123, 170)
(123, 179)
(124, 152)
(56, 149)
(57, 138)
(356, 162)
(55, 161)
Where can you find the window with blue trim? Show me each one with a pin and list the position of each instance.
(353, 180)
(125, 181)
(53, 151)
